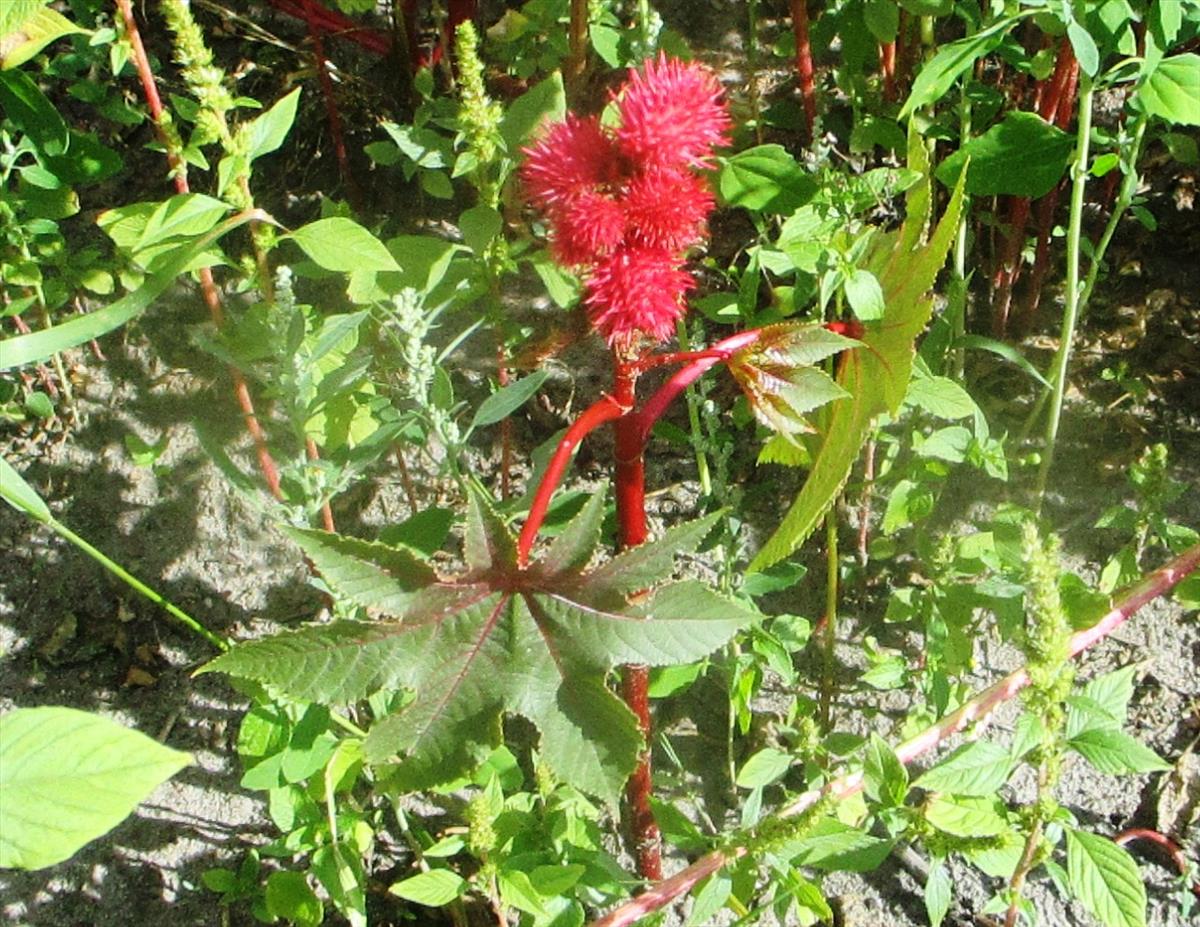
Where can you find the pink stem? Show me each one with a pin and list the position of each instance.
(598, 413)
(720, 352)
(663, 893)
(1161, 840)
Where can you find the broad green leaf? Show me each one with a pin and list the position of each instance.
(765, 179)
(434, 888)
(33, 113)
(573, 547)
(711, 898)
(1001, 349)
(1022, 155)
(506, 400)
(885, 776)
(1113, 692)
(546, 101)
(28, 26)
(939, 891)
(68, 777)
(535, 641)
(965, 816)
(979, 768)
(1106, 879)
(342, 245)
(1172, 90)
(764, 767)
(940, 396)
(876, 375)
(865, 295)
(939, 73)
(518, 892)
(42, 345)
(837, 847)
(265, 133)
(479, 225)
(185, 215)
(640, 567)
(289, 896)
(20, 495)
(1084, 47)
(1115, 752)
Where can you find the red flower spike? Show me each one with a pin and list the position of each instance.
(667, 209)
(587, 228)
(572, 158)
(671, 115)
(637, 290)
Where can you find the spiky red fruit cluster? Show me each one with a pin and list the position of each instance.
(624, 204)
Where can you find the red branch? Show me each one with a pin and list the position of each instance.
(1164, 842)
(598, 413)
(334, 117)
(208, 287)
(976, 710)
(334, 23)
(804, 64)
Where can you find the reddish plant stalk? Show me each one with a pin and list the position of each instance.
(334, 23)
(577, 43)
(1050, 96)
(976, 710)
(310, 448)
(887, 68)
(334, 117)
(208, 287)
(1162, 841)
(598, 413)
(505, 425)
(635, 679)
(804, 64)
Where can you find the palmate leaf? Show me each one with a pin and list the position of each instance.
(535, 641)
(777, 376)
(876, 374)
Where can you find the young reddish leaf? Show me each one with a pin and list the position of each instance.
(536, 642)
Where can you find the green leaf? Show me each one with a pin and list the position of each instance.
(640, 567)
(1115, 752)
(546, 101)
(940, 396)
(1113, 692)
(764, 767)
(865, 295)
(506, 400)
(1022, 155)
(28, 26)
(979, 768)
(939, 891)
(44, 344)
(883, 19)
(965, 816)
(342, 245)
(1172, 90)
(536, 641)
(517, 891)
(837, 847)
(68, 777)
(265, 133)
(940, 72)
(1105, 879)
(32, 113)
(876, 375)
(574, 546)
(1001, 349)
(1084, 47)
(885, 776)
(433, 889)
(289, 896)
(20, 495)
(765, 179)
(479, 225)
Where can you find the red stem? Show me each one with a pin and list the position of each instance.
(804, 64)
(208, 287)
(598, 413)
(1162, 840)
(887, 67)
(310, 447)
(505, 425)
(976, 710)
(334, 117)
(635, 679)
(335, 24)
(720, 352)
